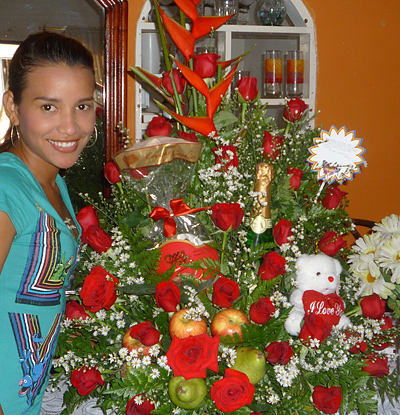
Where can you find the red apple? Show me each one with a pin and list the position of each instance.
(182, 327)
(131, 344)
(227, 322)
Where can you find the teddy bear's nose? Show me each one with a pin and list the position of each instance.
(331, 279)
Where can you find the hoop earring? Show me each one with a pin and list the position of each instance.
(14, 131)
(95, 139)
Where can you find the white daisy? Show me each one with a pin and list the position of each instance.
(389, 257)
(388, 226)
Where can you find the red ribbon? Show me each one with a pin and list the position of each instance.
(178, 209)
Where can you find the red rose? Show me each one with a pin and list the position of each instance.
(314, 327)
(282, 231)
(262, 311)
(225, 292)
(188, 136)
(372, 306)
(144, 408)
(168, 296)
(227, 216)
(99, 112)
(192, 356)
(330, 243)
(279, 353)
(388, 324)
(247, 88)
(333, 197)
(145, 333)
(295, 109)
(232, 392)
(272, 145)
(376, 366)
(139, 173)
(111, 172)
(360, 346)
(205, 64)
(86, 379)
(272, 266)
(178, 79)
(297, 175)
(327, 399)
(99, 240)
(86, 217)
(98, 290)
(158, 127)
(74, 310)
(226, 156)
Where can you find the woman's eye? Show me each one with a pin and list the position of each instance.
(48, 107)
(83, 107)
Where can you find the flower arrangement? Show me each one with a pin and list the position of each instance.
(209, 335)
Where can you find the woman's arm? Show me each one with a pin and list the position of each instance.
(7, 232)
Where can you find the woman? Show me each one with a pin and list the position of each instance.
(51, 109)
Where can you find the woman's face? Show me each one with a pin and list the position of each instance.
(56, 117)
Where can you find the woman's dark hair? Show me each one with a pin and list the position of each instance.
(43, 49)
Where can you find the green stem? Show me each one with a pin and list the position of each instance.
(162, 36)
(223, 246)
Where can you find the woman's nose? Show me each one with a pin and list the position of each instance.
(68, 124)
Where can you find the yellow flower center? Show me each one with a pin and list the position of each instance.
(370, 278)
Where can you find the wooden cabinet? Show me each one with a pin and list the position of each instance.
(296, 33)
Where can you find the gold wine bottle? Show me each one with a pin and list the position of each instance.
(260, 230)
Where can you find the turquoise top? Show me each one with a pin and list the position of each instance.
(32, 283)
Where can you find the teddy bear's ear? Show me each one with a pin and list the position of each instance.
(338, 267)
(301, 260)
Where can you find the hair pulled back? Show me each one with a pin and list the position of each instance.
(42, 49)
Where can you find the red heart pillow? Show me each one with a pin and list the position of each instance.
(329, 307)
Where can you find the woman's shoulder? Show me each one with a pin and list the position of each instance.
(14, 174)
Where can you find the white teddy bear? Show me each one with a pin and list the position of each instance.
(317, 292)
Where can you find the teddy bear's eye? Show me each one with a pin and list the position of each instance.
(318, 273)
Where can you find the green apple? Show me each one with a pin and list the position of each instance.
(187, 394)
(251, 362)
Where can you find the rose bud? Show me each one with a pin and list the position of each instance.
(158, 127)
(227, 216)
(86, 379)
(272, 266)
(262, 311)
(247, 88)
(282, 231)
(373, 306)
(314, 327)
(271, 145)
(330, 243)
(145, 333)
(376, 366)
(205, 64)
(225, 292)
(111, 172)
(188, 136)
(178, 79)
(74, 310)
(327, 399)
(279, 353)
(295, 109)
(143, 408)
(388, 324)
(97, 239)
(168, 296)
(295, 179)
(333, 197)
(87, 217)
